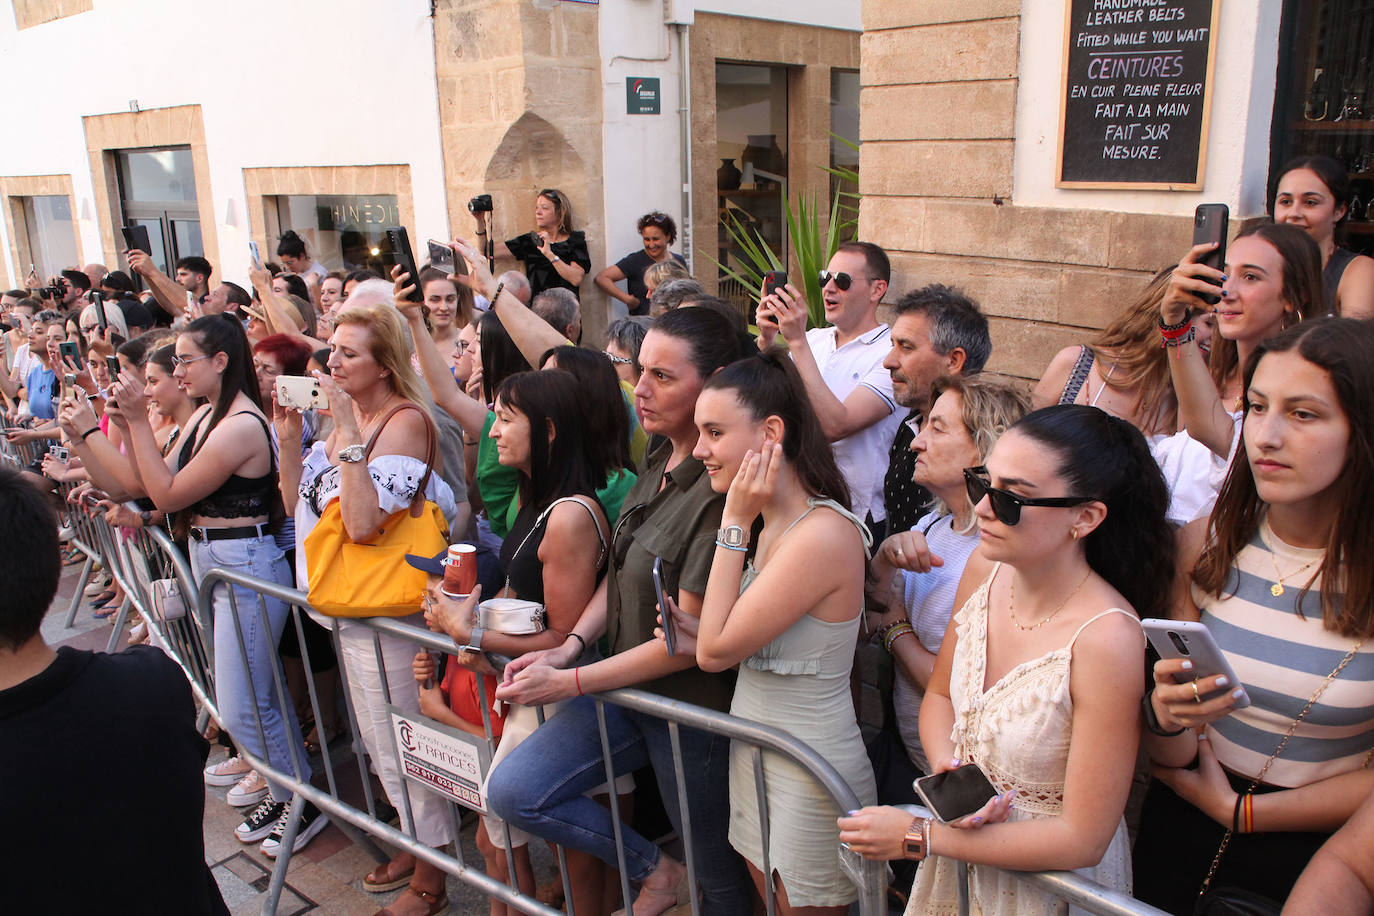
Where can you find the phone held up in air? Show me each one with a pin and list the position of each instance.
(254, 253)
(98, 300)
(669, 634)
(301, 392)
(70, 353)
(112, 367)
(399, 240)
(1193, 641)
(1210, 225)
(773, 281)
(442, 257)
(136, 237)
(955, 793)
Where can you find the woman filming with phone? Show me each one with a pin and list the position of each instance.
(1282, 575)
(1039, 676)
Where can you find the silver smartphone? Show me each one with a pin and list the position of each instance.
(1194, 642)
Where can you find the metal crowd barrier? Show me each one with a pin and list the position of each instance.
(135, 561)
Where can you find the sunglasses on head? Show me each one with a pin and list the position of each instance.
(1006, 505)
(842, 280)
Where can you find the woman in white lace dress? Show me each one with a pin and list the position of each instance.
(1040, 677)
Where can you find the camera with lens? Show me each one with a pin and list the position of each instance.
(52, 292)
(480, 204)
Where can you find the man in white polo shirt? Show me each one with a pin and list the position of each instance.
(842, 367)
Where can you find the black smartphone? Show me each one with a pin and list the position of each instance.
(773, 281)
(669, 636)
(70, 353)
(955, 793)
(112, 366)
(137, 237)
(1210, 225)
(399, 240)
(98, 300)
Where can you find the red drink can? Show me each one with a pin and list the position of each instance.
(460, 570)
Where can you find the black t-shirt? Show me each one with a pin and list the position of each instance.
(633, 266)
(540, 270)
(101, 786)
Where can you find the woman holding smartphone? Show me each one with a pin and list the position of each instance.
(1039, 676)
(222, 475)
(1282, 575)
(1313, 193)
(671, 513)
(554, 254)
(791, 636)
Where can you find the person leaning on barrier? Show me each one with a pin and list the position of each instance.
(672, 513)
(221, 475)
(1339, 881)
(1282, 574)
(372, 389)
(791, 636)
(1039, 678)
(554, 554)
(86, 847)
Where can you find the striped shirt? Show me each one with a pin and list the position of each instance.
(1282, 655)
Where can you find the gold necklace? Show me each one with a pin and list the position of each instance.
(1011, 605)
(1277, 588)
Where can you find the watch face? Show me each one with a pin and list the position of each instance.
(734, 536)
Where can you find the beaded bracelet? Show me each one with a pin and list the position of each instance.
(895, 633)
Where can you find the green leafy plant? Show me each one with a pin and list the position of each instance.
(812, 247)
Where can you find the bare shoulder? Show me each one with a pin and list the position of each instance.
(406, 433)
(1055, 375)
(572, 521)
(1191, 540)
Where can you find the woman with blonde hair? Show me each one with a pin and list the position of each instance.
(375, 397)
(554, 254)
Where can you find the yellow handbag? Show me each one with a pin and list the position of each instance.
(371, 578)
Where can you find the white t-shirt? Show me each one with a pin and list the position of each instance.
(23, 361)
(862, 457)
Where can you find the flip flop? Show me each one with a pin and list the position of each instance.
(107, 611)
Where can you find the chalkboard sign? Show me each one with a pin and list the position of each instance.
(1137, 93)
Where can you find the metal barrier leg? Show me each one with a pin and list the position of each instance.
(120, 620)
(288, 839)
(82, 581)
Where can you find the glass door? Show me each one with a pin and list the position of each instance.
(157, 190)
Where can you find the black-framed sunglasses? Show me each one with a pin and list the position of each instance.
(1006, 505)
(842, 280)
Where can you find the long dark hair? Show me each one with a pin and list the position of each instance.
(768, 385)
(561, 466)
(1341, 347)
(711, 341)
(1331, 173)
(603, 404)
(223, 334)
(500, 356)
(1106, 458)
(1302, 287)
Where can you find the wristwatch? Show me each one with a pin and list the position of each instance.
(916, 843)
(733, 537)
(474, 643)
(352, 454)
(146, 518)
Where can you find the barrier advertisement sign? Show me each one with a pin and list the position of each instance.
(445, 760)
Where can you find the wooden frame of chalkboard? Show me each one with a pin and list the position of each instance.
(1166, 69)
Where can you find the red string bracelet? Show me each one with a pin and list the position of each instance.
(577, 679)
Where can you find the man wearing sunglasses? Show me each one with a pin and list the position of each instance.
(842, 367)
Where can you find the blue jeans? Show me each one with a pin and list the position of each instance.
(245, 688)
(539, 788)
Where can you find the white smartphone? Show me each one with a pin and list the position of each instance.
(301, 392)
(1194, 642)
(955, 793)
(253, 250)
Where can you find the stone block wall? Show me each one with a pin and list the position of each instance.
(938, 118)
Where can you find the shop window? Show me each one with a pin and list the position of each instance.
(844, 126)
(342, 232)
(751, 141)
(50, 232)
(1325, 101)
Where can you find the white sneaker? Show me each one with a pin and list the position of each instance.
(226, 772)
(249, 790)
(261, 821)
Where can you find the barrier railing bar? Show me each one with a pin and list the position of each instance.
(675, 740)
(756, 759)
(617, 830)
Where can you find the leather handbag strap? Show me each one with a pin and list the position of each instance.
(417, 505)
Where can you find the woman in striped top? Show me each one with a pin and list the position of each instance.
(1283, 577)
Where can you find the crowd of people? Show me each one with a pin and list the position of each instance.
(1204, 459)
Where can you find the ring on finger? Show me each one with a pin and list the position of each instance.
(1197, 698)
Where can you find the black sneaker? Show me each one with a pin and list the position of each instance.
(260, 820)
(313, 820)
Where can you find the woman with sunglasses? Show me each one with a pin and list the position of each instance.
(554, 254)
(657, 231)
(1039, 677)
(1282, 575)
(671, 513)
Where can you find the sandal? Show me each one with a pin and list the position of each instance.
(380, 879)
(437, 902)
(312, 740)
(103, 598)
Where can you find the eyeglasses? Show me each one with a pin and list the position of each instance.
(463, 345)
(619, 360)
(88, 328)
(1006, 505)
(842, 280)
(187, 360)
